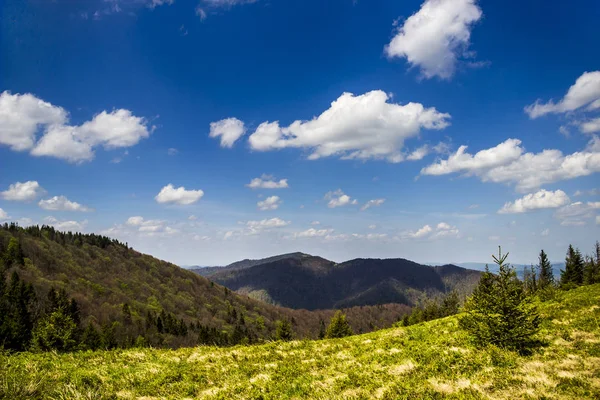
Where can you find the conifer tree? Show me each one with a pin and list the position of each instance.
(338, 327)
(499, 312)
(546, 276)
(573, 272)
(284, 330)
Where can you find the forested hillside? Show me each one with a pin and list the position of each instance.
(300, 280)
(116, 296)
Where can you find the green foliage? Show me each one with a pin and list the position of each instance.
(592, 267)
(284, 330)
(546, 276)
(433, 360)
(499, 312)
(338, 326)
(56, 331)
(432, 309)
(573, 272)
(13, 254)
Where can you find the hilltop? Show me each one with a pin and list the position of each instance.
(299, 280)
(430, 360)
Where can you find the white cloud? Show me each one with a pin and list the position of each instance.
(312, 232)
(155, 3)
(23, 191)
(200, 12)
(577, 214)
(494, 238)
(597, 219)
(590, 126)
(442, 230)
(436, 37)
(508, 163)
(418, 154)
(422, 232)
(61, 203)
(473, 206)
(135, 221)
(536, 201)
(256, 227)
(372, 203)
(372, 226)
(192, 218)
(315, 223)
(22, 117)
(172, 151)
(73, 226)
(172, 195)
(585, 91)
(267, 182)
(229, 130)
(354, 127)
(591, 192)
(3, 215)
(338, 199)
(545, 232)
(270, 203)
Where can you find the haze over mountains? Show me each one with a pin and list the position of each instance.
(299, 280)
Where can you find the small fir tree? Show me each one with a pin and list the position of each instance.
(499, 312)
(338, 327)
(284, 330)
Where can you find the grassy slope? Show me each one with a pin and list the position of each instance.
(426, 361)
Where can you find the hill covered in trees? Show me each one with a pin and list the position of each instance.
(431, 360)
(299, 280)
(63, 290)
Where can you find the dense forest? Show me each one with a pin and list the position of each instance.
(66, 290)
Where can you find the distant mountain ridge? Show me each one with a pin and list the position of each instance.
(302, 281)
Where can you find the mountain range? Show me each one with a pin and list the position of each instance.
(304, 281)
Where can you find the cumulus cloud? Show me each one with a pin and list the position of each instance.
(436, 37)
(590, 126)
(418, 154)
(267, 223)
(354, 127)
(372, 203)
(23, 191)
(508, 163)
(23, 116)
(442, 230)
(267, 182)
(229, 130)
(422, 232)
(584, 92)
(171, 195)
(73, 226)
(270, 203)
(61, 203)
(338, 199)
(312, 232)
(577, 214)
(536, 201)
(3, 215)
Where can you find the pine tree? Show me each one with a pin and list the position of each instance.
(499, 312)
(284, 330)
(322, 329)
(573, 272)
(338, 327)
(546, 276)
(450, 304)
(57, 331)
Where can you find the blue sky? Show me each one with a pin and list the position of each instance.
(148, 120)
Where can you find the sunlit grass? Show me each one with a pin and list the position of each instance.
(425, 361)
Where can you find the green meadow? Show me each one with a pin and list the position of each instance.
(426, 361)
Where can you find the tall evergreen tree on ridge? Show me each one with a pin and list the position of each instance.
(338, 327)
(546, 276)
(573, 272)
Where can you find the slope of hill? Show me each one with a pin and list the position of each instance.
(432, 360)
(304, 281)
(103, 275)
(556, 267)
